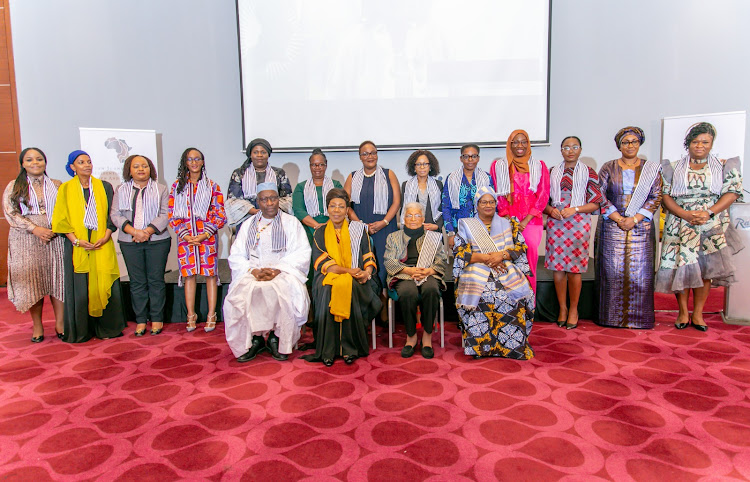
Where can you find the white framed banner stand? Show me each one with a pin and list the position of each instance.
(736, 301)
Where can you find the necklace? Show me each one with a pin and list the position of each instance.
(637, 161)
(260, 230)
(369, 175)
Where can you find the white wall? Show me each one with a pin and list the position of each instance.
(173, 66)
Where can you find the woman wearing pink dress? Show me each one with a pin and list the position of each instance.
(522, 187)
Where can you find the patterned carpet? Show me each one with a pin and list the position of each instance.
(595, 404)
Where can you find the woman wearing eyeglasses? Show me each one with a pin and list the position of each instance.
(522, 186)
(375, 199)
(196, 213)
(416, 262)
(424, 188)
(574, 195)
(631, 188)
(493, 297)
(699, 240)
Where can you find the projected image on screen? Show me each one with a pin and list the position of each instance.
(405, 73)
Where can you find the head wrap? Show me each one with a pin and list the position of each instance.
(256, 142)
(520, 164)
(636, 131)
(267, 186)
(71, 159)
(481, 191)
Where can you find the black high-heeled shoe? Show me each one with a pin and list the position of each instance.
(59, 335)
(682, 326)
(328, 363)
(37, 339)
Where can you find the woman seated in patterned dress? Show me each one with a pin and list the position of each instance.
(494, 300)
(196, 213)
(574, 195)
(698, 241)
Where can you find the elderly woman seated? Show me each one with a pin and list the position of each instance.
(415, 261)
(493, 297)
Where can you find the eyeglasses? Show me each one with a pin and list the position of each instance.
(194, 159)
(467, 157)
(365, 155)
(422, 164)
(413, 216)
(491, 202)
(268, 199)
(630, 143)
(318, 164)
(519, 143)
(571, 148)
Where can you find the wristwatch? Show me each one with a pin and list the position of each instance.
(710, 213)
(576, 208)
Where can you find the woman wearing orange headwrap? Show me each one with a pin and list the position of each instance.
(522, 186)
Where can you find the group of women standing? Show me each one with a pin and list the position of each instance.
(66, 229)
(60, 243)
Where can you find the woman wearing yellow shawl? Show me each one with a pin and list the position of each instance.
(93, 302)
(345, 290)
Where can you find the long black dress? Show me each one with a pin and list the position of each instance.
(79, 326)
(348, 337)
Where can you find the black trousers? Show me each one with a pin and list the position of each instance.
(426, 297)
(146, 263)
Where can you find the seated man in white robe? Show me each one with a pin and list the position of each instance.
(269, 261)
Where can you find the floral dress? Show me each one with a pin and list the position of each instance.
(691, 254)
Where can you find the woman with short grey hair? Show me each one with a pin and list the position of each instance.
(415, 262)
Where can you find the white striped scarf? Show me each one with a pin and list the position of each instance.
(200, 203)
(502, 175)
(311, 197)
(580, 183)
(430, 245)
(150, 200)
(454, 179)
(278, 236)
(680, 176)
(49, 191)
(91, 218)
(381, 189)
(250, 181)
(649, 173)
(411, 192)
(356, 231)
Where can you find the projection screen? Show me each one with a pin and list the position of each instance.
(404, 73)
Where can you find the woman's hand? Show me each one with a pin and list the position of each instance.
(496, 260)
(626, 224)
(44, 234)
(567, 212)
(103, 240)
(360, 275)
(373, 228)
(430, 227)
(698, 218)
(141, 235)
(555, 213)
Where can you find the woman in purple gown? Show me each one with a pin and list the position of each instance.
(626, 236)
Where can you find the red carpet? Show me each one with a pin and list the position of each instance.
(596, 404)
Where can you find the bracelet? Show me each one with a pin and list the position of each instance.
(386, 221)
(77, 242)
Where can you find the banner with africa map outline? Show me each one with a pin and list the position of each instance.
(109, 148)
